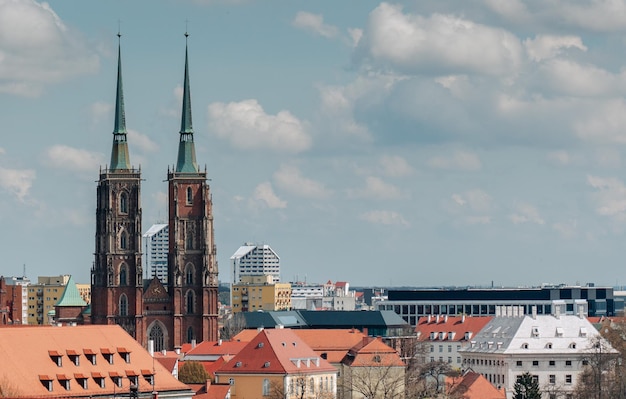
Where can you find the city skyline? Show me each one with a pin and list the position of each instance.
(398, 144)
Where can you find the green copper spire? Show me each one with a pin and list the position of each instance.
(186, 162)
(119, 154)
(71, 296)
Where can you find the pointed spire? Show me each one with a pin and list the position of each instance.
(186, 162)
(119, 153)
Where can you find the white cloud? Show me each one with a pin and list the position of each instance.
(246, 125)
(384, 217)
(290, 179)
(376, 188)
(526, 213)
(439, 44)
(65, 157)
(265, 193)
(567, 229)
(141, 141)
(395, 166)
(459, 160)
(337, 105)
(567, 77)
(610, 196)
(314, 23)
(603, 123)
(17, 181)
(36, 48)
(355, 35)
(548, 46)
(560, 157)
(596, 15)
(476, 206)
(512, 9)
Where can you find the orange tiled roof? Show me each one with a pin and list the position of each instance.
(334, 344)
(30, 355)
(276, 351)
(458, 325)
(473, 386)
(216, 348)
(373, 352)
(246, 335)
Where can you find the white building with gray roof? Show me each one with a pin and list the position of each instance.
(552, 348)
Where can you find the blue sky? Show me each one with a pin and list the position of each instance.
(415, 143)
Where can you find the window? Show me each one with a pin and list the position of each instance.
(449, 348)
(266, 387)
(568, 363)
(156, 335)
(189, 241)
(123, 275)
(552, 378)
(190, 335)
(189, 196)
(585, 362)
(440, 348)
(123, 240)
(552, 363)
(123, 203)
(535, 363)
(189, 269)
(432, 348)
(189, 301)
(518, 363)
(568, 378)
(231, 381)
(311, 386)
(123, 305)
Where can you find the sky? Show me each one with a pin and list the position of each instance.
(415, 143)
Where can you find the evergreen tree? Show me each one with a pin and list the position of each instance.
(527, 387)
(193, 373)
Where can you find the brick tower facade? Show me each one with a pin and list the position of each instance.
(116, 276)
(186, 308)
(192, 279)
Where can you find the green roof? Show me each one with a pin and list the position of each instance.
(71, 296)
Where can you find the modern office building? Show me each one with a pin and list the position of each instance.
(156, 249)
(43, 295)
(255, 260)
(16, 298)
(413, 304)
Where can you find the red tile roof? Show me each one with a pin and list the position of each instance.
(333, 343)
(439, 328)
(246, 335)
(26, 357)
(373, 352)
(216, 348)
(276, 351)
(473, 386)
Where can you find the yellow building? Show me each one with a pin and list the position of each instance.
(260, 293)
(43, 295)
(85, 292)
(277, 364)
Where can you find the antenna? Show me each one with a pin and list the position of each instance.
(24, 271)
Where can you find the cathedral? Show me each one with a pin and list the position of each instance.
(186, 307)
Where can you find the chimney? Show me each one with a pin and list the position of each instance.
(177, 350)
(151, 347)
(463, 318)
(193, 343)
(445, 318)
(164, 352)
(219, 342)
(437, 320)
(429, 318)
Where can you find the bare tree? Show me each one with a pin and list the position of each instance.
(8, 389)
(233, 325)
(600, 378)
(377, 381)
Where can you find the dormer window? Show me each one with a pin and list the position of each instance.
(116, 378)
(148, 375)
(433, 335)
(238, 364)
(107, 354)
(572, 345)
(559, 331)
(99, 379)
(266, 365)
(124, 353)
(81, 379)
(132, 377)
(90, 355)
(46, 381)
(524, 345)
(442, 335)
(583, 332)
(74, 357)
(64, 381)
(56, 358)
(535, 332)
(549, 345)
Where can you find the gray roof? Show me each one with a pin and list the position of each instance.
(324, 319)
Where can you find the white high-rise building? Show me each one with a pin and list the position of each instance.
(156, 245)
(255, 260)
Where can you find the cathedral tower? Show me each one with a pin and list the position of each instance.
(116, 276)
(192, 279)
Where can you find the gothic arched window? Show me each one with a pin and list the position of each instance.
(189, 196)
(123, 305)
(123, 275)
(189, 241)
(189, 271)
(123, 203)
(189, 301)
(190, 335)
(123, 240)
(156, 336)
